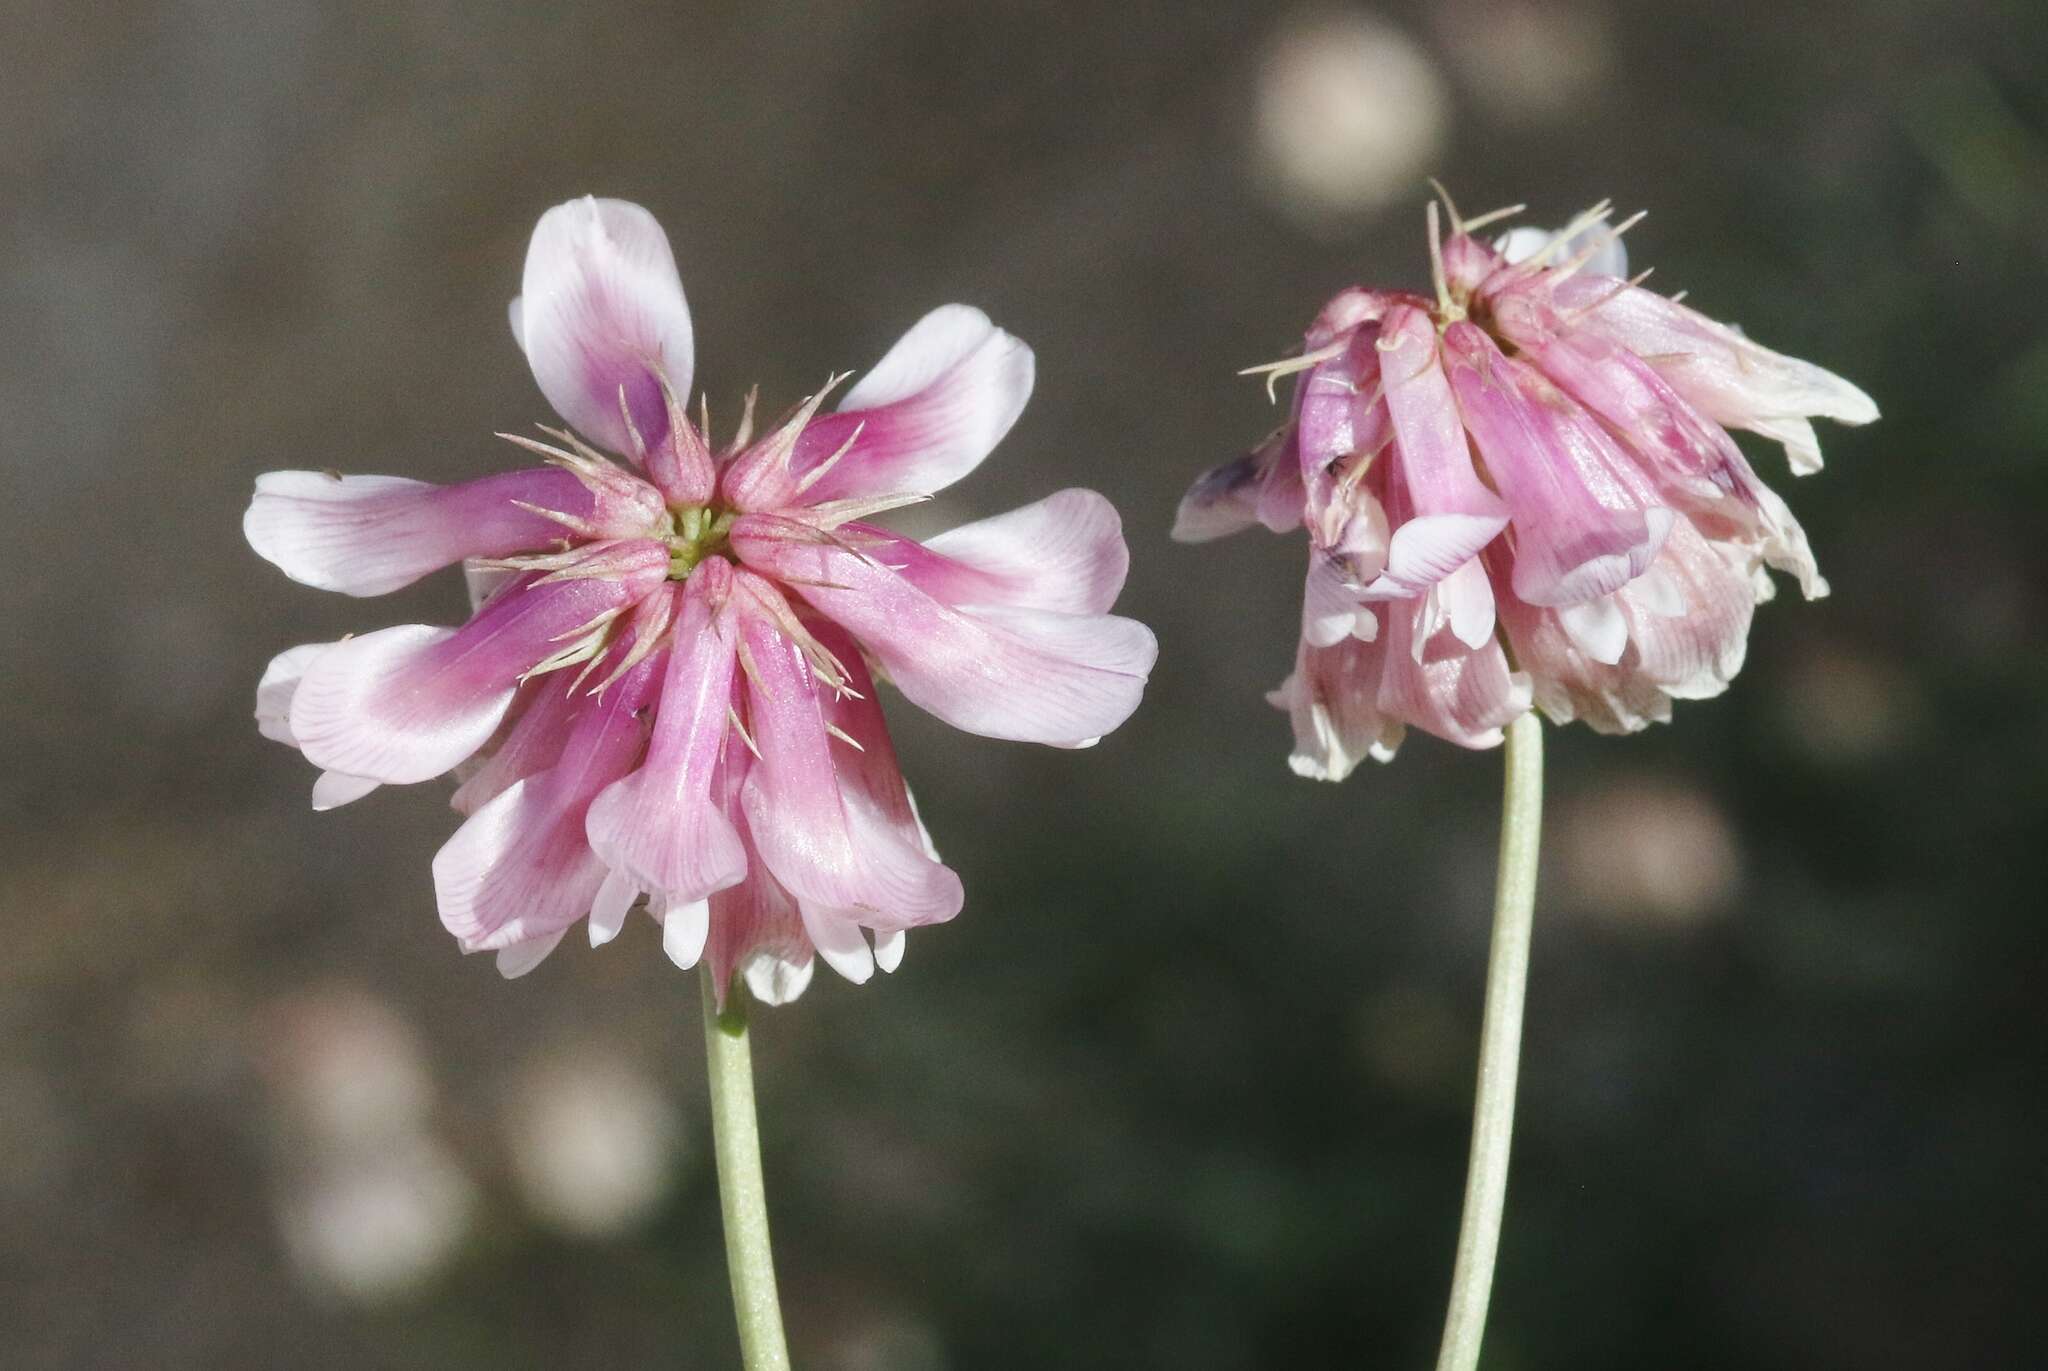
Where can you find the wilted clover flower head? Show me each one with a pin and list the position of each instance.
(1521, 490)
(667, 687)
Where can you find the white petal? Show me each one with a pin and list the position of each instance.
(684, 928)
(1598, 628)
(609, 910)
(515, 961)
(774, 980)
(889, 948)
(601, 307)
(335, 789)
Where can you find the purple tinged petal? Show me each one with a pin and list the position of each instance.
(367, 535)
(601, 310)
(664, 825)
(1261, 487)
(1585, 520)
(998, 670)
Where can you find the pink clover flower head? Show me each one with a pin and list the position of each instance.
(1521, 491)
(666, 692)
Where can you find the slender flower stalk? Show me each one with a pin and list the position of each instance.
(1500, 1047)
(742, 1195)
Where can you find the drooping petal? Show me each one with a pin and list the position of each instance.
(1687, 627)
(1332, 698)
(406, 704)
(601, 310)
(663, 826)
(832, 846)
(1586, 522)
(367, 535)
(1730, 379)
(1261, 487)
(1461, 694)
(1064, 553)
(1693, 463)
(521, 867)
(997, 670)
(1445, 513)
(333, 789)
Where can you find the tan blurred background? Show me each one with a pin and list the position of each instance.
(1186, 1086)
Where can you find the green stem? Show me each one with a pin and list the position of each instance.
(736, 1138)
(1500, 1047)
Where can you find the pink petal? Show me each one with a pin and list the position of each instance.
(529, 742)
(925, 416)
(1729, 378)
(664, 825)
(521, 866)
(1333, 701)
(1064, 553)
(997, 670)
(366, 535)
(1691, 654)
(1445, 514)
(601, 309)
(1586, 521)
(406, 704)
(1463, 695)
(834, 846)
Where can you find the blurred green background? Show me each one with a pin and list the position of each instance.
(1187, 1084)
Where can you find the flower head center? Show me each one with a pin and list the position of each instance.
(700, 531)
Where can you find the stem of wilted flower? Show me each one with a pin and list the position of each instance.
(1500, 1047)
(742, 1198)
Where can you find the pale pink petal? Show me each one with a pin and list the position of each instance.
(1597, 628)
(664, 825)
(529, 742)
(1692, 654)
(1332, 699)
(407, 704)
(1332, 608)
(1586, 522)
(601, 310)
(831, 844)
(366, 535)
(521, 866)
(1463, 695)
(1729, 378)
(1064, 553)
(1001, 671)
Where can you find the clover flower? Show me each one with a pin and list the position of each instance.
(1521, 490)
(665, 690)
